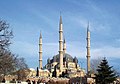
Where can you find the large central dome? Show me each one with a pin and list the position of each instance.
(66, 57)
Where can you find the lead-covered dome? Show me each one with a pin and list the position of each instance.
(66, 57)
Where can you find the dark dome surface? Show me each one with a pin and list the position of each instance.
(66, 57)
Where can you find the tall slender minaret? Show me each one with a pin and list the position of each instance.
(64, 46)
(88, 49)
(60, 44)
(40, 51)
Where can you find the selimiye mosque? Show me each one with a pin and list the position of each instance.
(62, 64)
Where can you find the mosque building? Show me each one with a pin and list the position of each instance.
(60, 65)
(63, 63)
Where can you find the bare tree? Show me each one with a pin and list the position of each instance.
(5, 35)
(6, 57)
(21, 64)
(22, 74)
(22, 69)
(9, 63)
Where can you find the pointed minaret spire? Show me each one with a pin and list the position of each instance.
(60, 18)
(88, 27)
(64, 46)
(88, 49)
(60, 44)
(40, 35)
(40, 51)
(64, 40)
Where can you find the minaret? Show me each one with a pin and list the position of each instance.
(64, 46)
(60, 45)
(40, 51)
(88, 50)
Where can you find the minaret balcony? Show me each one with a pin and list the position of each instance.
(60, 40)
(40, 59)
(40, 43)
(88, 38)
(88, 56)
(88, 46)
(40, 51)
(60, 50)
(60, 31)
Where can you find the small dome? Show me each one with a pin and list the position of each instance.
(75, 60)
(48, 60)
